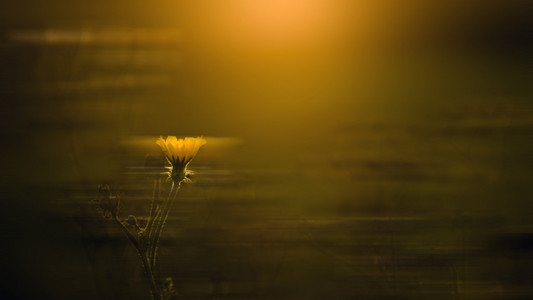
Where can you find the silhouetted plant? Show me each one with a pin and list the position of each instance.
(144, 233)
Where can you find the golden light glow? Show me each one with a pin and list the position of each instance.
(271, 23)
(282, 18)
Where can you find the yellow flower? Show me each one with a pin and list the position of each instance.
(179, 153)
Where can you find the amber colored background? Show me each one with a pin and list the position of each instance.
(356, 149)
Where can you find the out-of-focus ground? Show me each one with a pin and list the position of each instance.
(356, 149)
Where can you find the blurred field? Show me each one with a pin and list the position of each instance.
(354, 152)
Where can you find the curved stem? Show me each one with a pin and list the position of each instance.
(132, 238)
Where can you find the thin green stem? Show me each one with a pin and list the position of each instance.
(156, 294)
(151, 229)
(154, 210)
(153, 234)
(132, 238)
(163, 218)
(159, 223)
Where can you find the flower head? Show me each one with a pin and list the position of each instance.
(179, 153)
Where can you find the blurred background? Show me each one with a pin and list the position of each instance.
(355, 149)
